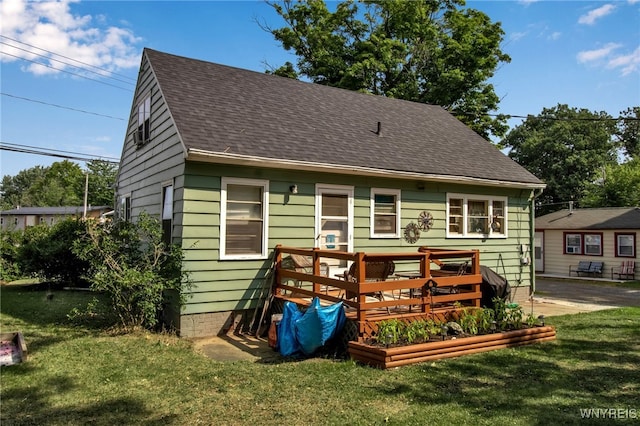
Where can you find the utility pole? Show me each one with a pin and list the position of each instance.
(86, 194)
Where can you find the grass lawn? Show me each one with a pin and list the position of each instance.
(78, 374)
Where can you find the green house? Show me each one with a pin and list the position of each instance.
(235, 162)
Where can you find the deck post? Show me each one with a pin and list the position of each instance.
(360, 274)
(316, 269)
(278, 264)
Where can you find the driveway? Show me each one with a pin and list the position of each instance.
(591, 293)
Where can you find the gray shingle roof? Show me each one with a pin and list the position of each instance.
(597, 218)
(221, 109)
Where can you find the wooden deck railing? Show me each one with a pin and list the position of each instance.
(423, 282)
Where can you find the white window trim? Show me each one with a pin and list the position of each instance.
(223, 217)
(465, 200)
(334, 189)
(163, 209)
(125, 214)
(372, 212)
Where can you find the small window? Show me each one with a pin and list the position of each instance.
(143, 132)
(593, 244)
(625, 245)
(385, 213)
(125, 208)
(244, 224)
(43, 220)
(475, 216)
(573, 243)
(15, 221)
(167, 214)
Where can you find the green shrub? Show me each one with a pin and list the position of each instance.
(131, 263)
(390, 331)
(10, 242)
(46, 252)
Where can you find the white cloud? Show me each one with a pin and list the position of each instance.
(554, 36)
(36, 31)
(633, 1)
(591, 17)
(608, 57)
(517, 35)
(627, 63)
(597, 54)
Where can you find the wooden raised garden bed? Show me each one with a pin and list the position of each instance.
(388, 357)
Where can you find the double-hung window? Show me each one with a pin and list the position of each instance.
(244, 218)
(625, 245)
(585, 243)
(143, 132)
(125, 208)
(476, 216)
(385, 213)
(167, 213)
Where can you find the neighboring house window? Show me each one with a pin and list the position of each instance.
(143, 134)
(573, 243)
(593, 244)
(43, 220)
(476, 216)
(385, 213)
(51, 220)
(167, 213)
(625, 245)
(15, 221)
(125, 208)
(589, 244)
(244, 218)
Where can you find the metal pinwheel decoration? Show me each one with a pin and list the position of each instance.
(425, 220)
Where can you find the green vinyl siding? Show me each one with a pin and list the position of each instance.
(236, 284)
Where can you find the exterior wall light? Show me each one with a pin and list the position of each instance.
(293, 189)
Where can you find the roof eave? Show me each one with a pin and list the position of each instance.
(246, 160)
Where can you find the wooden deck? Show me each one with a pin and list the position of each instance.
(426, 283)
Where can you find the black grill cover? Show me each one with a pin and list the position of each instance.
(493, 285)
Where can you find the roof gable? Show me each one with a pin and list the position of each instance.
(596, 218)
(234, 112)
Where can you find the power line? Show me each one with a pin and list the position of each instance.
(101, 74)
(71, 59)
(68, 72)
(60, 106)
(70, 155)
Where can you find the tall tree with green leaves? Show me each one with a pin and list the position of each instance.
(102, 176)
(61, 185)
(13, 188)
(430, 51)
(618, 186)
(628, 131)
(565, 147)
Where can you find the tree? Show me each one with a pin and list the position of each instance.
(61, 185)
(14, 188)
(429, 51)
(619, 186)
(628, 132)
(566, 148)
(102, 176)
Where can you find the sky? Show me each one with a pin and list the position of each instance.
(585, 54)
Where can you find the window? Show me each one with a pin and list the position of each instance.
(143, 133)
(125, 208)
(589, 244)
(593, 244)
(476, 216)
(625, 245)
(385, 213)
(167, 213)
(244, 220)
(573, 243)
(43, 220)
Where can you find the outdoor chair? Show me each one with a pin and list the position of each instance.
(626, 270)
(583, 267)
(301, 263)
(595, 268)
(374, 271)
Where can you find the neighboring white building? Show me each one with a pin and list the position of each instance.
(24, 217)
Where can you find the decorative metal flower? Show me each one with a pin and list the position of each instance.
(425, 220)
(411, 233)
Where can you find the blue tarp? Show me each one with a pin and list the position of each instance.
(300, 333)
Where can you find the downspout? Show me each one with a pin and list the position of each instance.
(532, 235)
